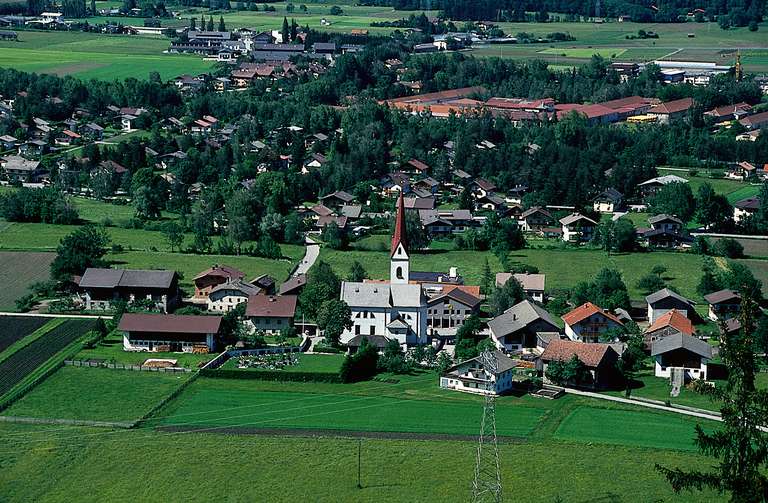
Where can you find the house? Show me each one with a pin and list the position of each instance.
(533, 284)
(681, 351)
(419, 203)
(443, 222)
(271, 313)
(294, 285)
(102, 287)
(397, 309)
(589, 323)
(471, 376)
(599, 361)
(671, 323)
(224, 297)
(427, 184)
(535, 218)
(519, 326)
(18, 168)
(755, 122)
(650, 187)
(482, 187)
(449, 310)
(666, 223)
(665, 300)
(33, 148)
(743, 171)
(745, 208)
(8, 142)
(723, 304)
(659, 238)
(416, 166)
(608, 201)
(577, 228)
(727, 113)
(169, 332)
(337, 199)
(671, 111)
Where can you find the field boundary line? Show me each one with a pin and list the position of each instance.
(67, 316)
(70, 422)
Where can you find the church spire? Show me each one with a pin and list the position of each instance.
(399, 237)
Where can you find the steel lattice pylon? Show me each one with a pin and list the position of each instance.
(486, 485)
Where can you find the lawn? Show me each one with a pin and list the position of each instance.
(563, 267)
(725, 186)
(605, 52)
(760, 269)
(110, 349)
(96, 394)
(92, 210)
(325, 364)
(77, 464)
(97, 56)
(18, 270)
(657, 388)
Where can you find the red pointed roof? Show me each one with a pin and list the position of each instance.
(399, 236)
(674, 319)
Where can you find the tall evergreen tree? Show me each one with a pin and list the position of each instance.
(285, 31)
(209, 26)
(222, 26)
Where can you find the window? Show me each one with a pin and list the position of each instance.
(399, 272)
(357, 329)
(372, 330)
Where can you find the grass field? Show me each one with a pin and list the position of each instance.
(96, 394)
(732, 189)
(760, 269)
(325, 364)
(76, 464)
(98, 56)
(563, 267)
(95, 211)
(18, 270)
(110, 349)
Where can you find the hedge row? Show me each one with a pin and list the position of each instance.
(268, 375)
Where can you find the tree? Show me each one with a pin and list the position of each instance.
(562, 373)
(487, 278)
(174, 234)
(658, 270)
(712, 209)
(740, 446)
(81, 249)
(727, 247)
(631, 361)
(650, 283)
(209, 26)
(709, 282)
(393, 360)
(335, 11)
(357, 272)
(360, 365)
(506, 296)
(334, 237)
(606, 289)
(619, 236)
(467, 338)
(192, 24)
(333, 317)
(285, 31)
(466, 201)
(322, 284)
(222, 26)
(93, 7)
(674, 199)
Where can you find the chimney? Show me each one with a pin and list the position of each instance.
(453, 273)
(514, 316)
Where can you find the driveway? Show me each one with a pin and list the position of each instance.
(311, 252)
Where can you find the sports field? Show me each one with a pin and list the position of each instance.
(96, 56)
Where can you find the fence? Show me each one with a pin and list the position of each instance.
(123, 366)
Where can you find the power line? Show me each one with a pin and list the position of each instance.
(486, 485)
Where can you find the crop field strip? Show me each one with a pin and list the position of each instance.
(18, 270)
(15, 328)
(14, 369)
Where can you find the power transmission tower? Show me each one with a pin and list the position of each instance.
(486, 487)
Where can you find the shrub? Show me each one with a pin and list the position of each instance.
(730, 248)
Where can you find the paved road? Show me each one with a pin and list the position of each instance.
(312, 251)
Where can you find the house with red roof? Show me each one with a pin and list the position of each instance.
(671, 111)
(599, 361)
(590, 323)
(671, 323)
(216, 275)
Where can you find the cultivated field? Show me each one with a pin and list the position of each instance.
(18, 270)
(97, 394)
(15, 328)
(96, 56)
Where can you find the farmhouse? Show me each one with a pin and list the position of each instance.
(519, 326)
(723, 304)
(470, 376)
(271, 313)
(608, 201)
(599, 361)
(102, 287)
(589, 323)
(681, 351)
(337, 199)
(168, 332)
(665, 300)
(226, 296)
(216, 275)
(396, 310)
(755, 122)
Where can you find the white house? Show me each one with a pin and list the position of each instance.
(396, 309)
(169, 332)
(226, 296)
(665, 300)
(470, 376)
(589, 323)
(681, 351)
(533, 284)
(577, 228)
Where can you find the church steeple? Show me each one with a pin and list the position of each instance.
(399, 270)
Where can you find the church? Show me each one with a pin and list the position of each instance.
(389, 310)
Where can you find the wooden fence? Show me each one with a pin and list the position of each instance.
(123, 366)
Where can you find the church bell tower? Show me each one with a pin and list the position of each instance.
(399, 262)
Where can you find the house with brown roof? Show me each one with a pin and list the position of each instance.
(723, 304)
(535, 218)
(665, 300)
(226, 296)
(599, 361)
(294, 285)
(471, 376)
(337, 199)
(590, 323)
(671, 111)
(727, 113)
(743, 171)
(169, 332)
(100, 288)
(754, 122)
(271, 313)
(451, 309)
(217, 274)
(671, 323)
(608, 201)
(520, 326)
(533, 284)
